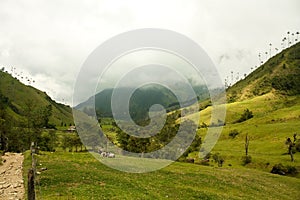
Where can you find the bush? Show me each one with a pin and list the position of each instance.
(284, 170)
(233, 133)
(246, 115)
(246, 160)
(218, 159)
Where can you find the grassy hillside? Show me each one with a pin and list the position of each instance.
(281, 73)
(271, 93)
(81, 176)
(20, 95)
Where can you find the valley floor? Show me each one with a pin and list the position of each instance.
(81, 176)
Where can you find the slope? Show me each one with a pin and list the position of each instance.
(281, 73)
(19, 96)
(272, 94)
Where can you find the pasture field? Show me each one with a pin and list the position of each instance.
(81, 176)
(275, 118)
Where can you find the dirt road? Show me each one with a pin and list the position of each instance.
(11, 180)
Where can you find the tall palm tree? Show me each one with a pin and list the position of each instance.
(297, 33)
(283, 42)
(266, 55)
(288, 33)
(270, 49)
(276, 50)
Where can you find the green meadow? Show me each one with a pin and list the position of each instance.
(81, 176)
(71, 175)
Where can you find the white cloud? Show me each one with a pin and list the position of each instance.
(51, 39)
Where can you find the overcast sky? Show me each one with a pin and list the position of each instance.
(49, 40)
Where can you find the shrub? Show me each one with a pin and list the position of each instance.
(218, 159)
(233, 133)
(284, 170)
(246, 160)
(246, 115)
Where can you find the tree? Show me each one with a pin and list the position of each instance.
(53, 140)
(290, 148)
(259, 59)
(5, 123)
(4, 130)
(288, 33)
(246, 159)
(66, 142)
(246, 144)
(76, 142)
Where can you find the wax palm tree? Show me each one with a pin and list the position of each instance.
(288, 33)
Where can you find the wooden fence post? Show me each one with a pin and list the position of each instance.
(31, 174)
(31, 192)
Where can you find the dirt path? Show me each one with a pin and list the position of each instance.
(11, 179)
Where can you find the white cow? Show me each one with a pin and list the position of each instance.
(107, 154)
(110, 155)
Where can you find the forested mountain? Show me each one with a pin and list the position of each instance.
(141, 100)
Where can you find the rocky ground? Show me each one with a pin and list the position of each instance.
(11, 179)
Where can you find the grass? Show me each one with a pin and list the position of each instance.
(81, 176)
(275, 118)
(21, 96)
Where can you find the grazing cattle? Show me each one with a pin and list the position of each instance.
(103, 154)
(107, 154)
(111, 155)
